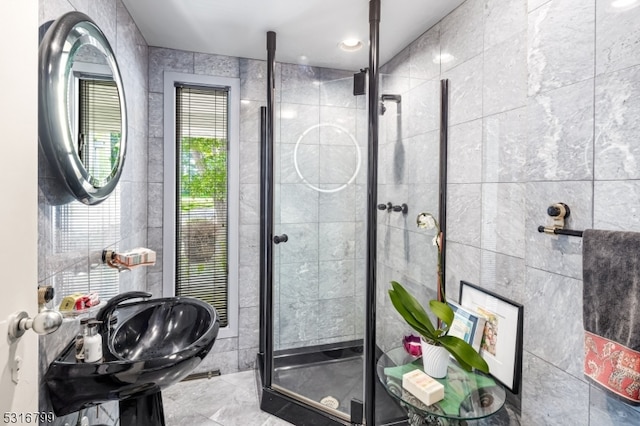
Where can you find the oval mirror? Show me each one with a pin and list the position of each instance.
(82, 113)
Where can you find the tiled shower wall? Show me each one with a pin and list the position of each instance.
(308, 96)
(544, 107)
(407, 174)
(73, 235)
(319, 272)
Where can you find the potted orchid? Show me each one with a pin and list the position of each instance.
(436, 344)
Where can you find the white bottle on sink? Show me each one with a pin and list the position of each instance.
(92, 343)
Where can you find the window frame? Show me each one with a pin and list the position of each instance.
(233, 182)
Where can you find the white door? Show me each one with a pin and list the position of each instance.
(19, 204)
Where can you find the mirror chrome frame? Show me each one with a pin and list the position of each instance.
(63, 38)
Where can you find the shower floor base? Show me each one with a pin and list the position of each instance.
(328, 383)
(332, 376)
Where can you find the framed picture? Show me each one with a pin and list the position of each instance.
(501, 344)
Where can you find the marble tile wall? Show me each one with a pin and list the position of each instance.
(543, 108)
(408, 173)
(72, 235)
(321, 146)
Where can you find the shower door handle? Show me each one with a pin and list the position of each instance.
(280, 239)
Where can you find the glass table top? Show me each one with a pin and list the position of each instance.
(467, 395)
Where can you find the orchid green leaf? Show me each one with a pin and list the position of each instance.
(413, 306)
(442, 311)
(424, 329)
(464, 353)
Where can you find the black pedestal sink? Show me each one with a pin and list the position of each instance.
(154, 344)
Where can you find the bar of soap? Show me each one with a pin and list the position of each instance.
(137, 256)
(423, 387)
(69, 302)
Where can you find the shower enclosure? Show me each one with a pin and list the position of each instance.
(321, 214)
(318, 239)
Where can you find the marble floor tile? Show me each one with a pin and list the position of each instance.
(226, 400)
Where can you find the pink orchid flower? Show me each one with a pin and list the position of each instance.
(412, 345)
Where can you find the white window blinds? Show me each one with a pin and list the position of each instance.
(100, 128)
(202, 188)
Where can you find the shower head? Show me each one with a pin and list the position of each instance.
(360, 82)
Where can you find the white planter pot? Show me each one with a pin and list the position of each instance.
(435, 360)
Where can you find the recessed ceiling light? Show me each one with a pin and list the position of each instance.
(623, 3)
(350, 45)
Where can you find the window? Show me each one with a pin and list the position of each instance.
(201, 192)
(201, 196)
(99, 127)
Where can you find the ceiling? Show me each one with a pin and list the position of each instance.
(308, 31)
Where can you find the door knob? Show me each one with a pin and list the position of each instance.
(44, 322)
(280, 239)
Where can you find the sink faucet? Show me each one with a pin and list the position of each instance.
(104, 314)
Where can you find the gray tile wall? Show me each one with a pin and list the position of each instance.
(543, 108)
(321, 125)
(408, 173)
(73, 235)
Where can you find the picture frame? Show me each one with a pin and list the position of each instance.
(501, 345)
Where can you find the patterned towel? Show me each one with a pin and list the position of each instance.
(611, 311)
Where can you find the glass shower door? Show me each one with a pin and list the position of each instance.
(320, 205)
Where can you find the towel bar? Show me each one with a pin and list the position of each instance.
(559, 212)
(558, 231)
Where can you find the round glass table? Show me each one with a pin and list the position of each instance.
(467, 395)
